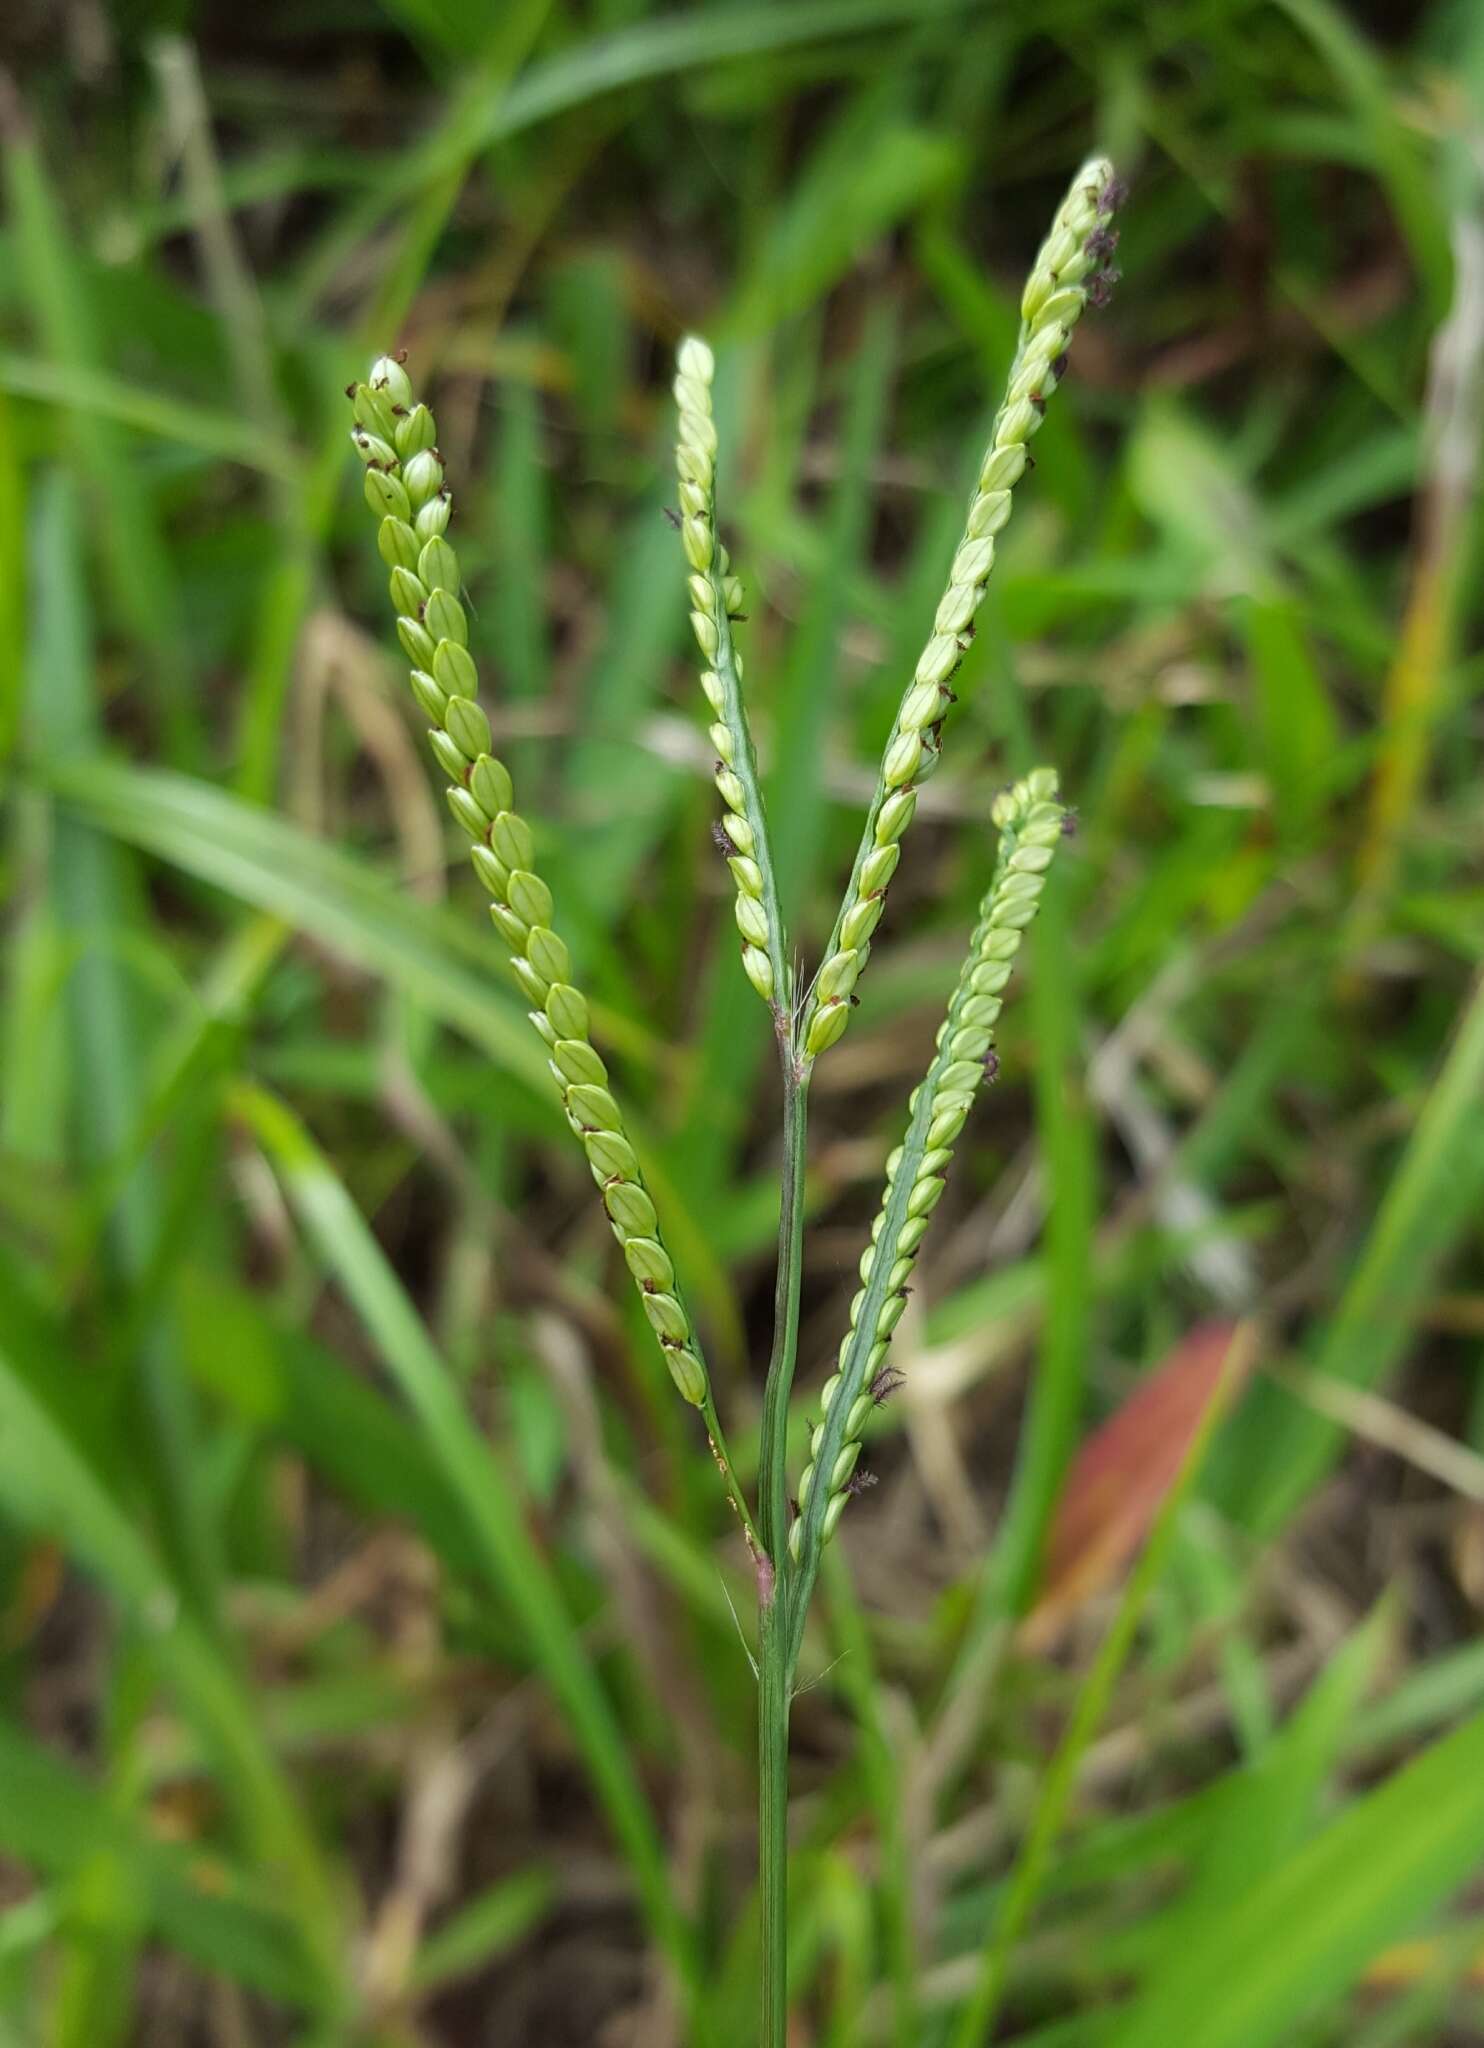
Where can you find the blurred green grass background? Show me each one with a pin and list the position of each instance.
(369, 1668)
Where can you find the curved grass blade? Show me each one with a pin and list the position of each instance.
(487, 1493)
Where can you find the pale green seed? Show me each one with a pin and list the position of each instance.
(385, 494)
(447, 755)
(878, 867)
(397, 544)
(512, 930)
(577, 1059)
(407, 591)
(415, 431)
(467, 726)
(529, 897)
(861, 921)
(903, 757)
(534, 984)
(430, 695)
(892, 1311)
(687, 1373)
(759, 971)
(632, 1210)
(489, 783)
(596, 1107)
(454, 668)
(845, 1464)
(423, 476)
(444, 619)
(438, 565)
(838, 975)
(547, 955)
(647, 1259)
(417, 643)
(493, 873)
(468, 813)
(567, 1009)
(373, 411)
(510, 836)
(666, 1317)
(826, 1027)
(895, 816)
(432, 519)
(388, 375)
(611, 1153)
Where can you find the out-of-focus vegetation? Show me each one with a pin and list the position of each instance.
(332, 1456)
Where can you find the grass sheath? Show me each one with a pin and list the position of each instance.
(396, 439)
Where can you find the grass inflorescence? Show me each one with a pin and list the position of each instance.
(396, 438)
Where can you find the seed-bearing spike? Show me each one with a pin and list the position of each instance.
(716, 599)
(396, 436)
(1062, 283)
(914, 1179)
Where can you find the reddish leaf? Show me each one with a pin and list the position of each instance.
(1124, 1470)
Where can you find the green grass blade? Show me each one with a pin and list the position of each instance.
(1294, 1943)
(50, 1486)
(1058, 1782)
(79, 389)
(1279, 1450)
(479, 1477)
(262, 860)
(55, 1821)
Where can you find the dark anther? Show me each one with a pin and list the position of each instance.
(723, 840)
(351, 390)
(400, 356)
(422, 610)
(718, 765)
(886, 1383)
(400, 411)
(738, 618)
(991, 1065)
(673, 516)
(855, 1002)
(437, 454)
(1059, 365)
(1038, 402)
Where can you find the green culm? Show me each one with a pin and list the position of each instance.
(395, 436)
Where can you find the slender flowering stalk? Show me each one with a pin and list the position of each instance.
(716, 600)
(404, 485)
(396, 438)
(1069, 271)
(1030, 823)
